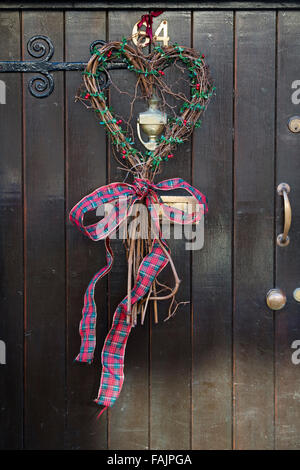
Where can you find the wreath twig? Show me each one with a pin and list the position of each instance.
(151, 72)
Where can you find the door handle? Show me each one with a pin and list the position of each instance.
(283, 239)
(276, 299)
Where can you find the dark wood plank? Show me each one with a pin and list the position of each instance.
(45, 250)
(11, 234)
(287, 391)
(129, 416)
(253, 373)
(212, 266)
(170, 378)
(86, 170)
(194, 5)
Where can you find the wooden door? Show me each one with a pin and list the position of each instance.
(224, 372)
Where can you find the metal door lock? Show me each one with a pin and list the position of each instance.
(294, 124)
(296, 294)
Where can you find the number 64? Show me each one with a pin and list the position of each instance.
(161, 34)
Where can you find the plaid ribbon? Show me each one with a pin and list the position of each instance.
(124, 196)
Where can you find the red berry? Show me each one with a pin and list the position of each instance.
(203, 56)
(87, 96)
(170, 155)
(124, 151)
(184, 121)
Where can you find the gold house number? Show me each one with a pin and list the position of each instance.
(160, 35)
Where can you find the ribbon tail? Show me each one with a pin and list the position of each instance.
(87, 327)
(149, 28)
(113, 352)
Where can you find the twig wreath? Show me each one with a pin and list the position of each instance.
(146, 257)
(150, 76)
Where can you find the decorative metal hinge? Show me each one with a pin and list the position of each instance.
(41, 47)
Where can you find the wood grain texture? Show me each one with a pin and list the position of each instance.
(196, 5)
(45, 250)
(170, 377)
(129, 416)
(287, 387)
(212, 266)
(11, 240)
(253, 220)
(85, 171)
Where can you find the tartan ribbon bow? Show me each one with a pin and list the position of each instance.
(124, 196)
(148, 19)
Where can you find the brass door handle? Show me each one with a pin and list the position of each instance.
(276, 299)
(283, 239)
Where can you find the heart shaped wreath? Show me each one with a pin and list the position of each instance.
(150, 70)
(146, 258)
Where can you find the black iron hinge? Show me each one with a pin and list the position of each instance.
(41, 48)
